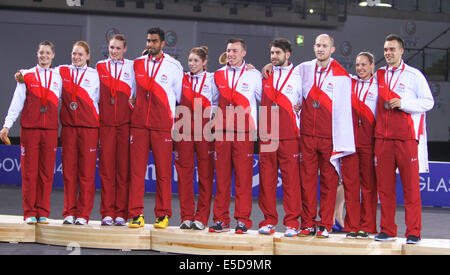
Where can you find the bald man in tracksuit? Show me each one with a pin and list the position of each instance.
(403, 98)
(326, 134)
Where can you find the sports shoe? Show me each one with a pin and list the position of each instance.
(108, 221)
(241, 228)
(80, 221)
(267, 229)
(290, 232)
(322, 232)
(198, 225)
(69, 220)
(161, 222)
(362, 235)
(411, 239)
(219, 227)
(307, 231)
(351, 235)
(137, 222)
(120, 221)
(337, 227)
(187, 224)
(30, 220)
(383, 237)
(43, 220)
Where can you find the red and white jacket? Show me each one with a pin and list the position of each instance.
(409, 121)
(283, 88)
(31, 95)
(158, 88)
(80, 85)
(199, 89)
(364, 102)
(331, 87)
(247, 91)
(117, 86)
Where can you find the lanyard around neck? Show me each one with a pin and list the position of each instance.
(44, 90)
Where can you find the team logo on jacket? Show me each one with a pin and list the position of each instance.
(245, 87)
(289, 89)
(87, 82)
(126, 76)
(164, 78)
(55, 85)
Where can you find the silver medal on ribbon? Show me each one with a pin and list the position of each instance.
(73, 106)
(316, 104)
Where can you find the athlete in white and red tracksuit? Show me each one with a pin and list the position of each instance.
(79, 135)
(117, 86)
(239, 89)
(37, 99)
(403, 98)
(158, 88)
(199, 95)
(358, 171)
(281, 89)
(326, 133)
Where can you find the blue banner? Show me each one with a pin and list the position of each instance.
(434, 186)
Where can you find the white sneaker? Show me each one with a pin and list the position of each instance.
(30, 220)
(80, 221)
(107, 221)
(186, 225)
(267, 229)
(198, 225)
(322, 232)
(69, 220)
(120, 221)
(290, 232)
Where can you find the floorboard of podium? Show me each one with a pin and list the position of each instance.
(175, 240)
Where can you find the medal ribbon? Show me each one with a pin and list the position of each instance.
(77, 85)
(390, 80)
(152, 75)
(116, 78)
(194, 88)
(44, 90)
(278, 91)
(234, 86)
(358, 94)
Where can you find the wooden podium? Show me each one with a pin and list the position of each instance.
(175, 240)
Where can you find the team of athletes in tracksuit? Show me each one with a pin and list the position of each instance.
(313, 117)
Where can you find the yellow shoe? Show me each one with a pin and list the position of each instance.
(161, 222)
(137, 222)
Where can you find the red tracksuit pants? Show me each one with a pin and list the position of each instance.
(79, 160)
(143, 140)
(38, 153)
(286, 157)
(237, 155)
(114, 165)
(358, 174)
(315, 155)
(186, 153)
(401, 154)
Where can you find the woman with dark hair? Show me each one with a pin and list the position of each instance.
(199, 95)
